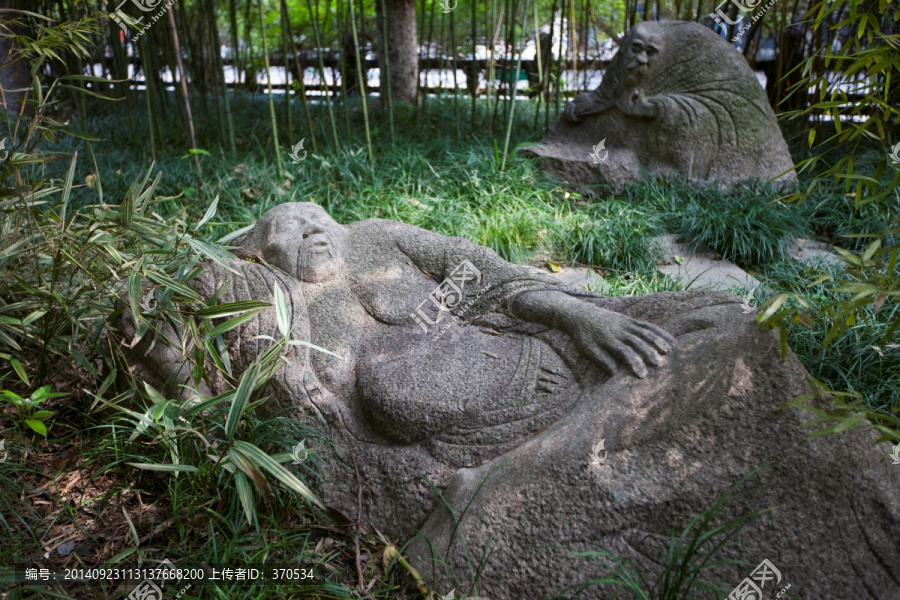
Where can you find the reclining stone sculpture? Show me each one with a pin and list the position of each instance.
(499, 386)
(676, 100)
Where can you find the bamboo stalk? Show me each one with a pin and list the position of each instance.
(509, 55)
(561, 58)
(342, 66)
(184, 90)
(386, 76)
(455, 77)
(473, 70)
(265, 49)
(512, 108)
(208, 12)
(420, 31)
(440, 91)
(325, 90)
(220, 79)
(235, 50)
(549, 66)
(248, 64)
(573, 38)
(300, 74)
(362, 86)
(493, 69)
(537, 48)
(150, 116)
(198, 70)
(430, 45)
(285, 31)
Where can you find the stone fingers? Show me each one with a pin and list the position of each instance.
(630, 358)
(650, 355)
(601, 358)
(644, 326)
(662, 343)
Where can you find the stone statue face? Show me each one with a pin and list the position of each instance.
(303, 240)
(643, 47)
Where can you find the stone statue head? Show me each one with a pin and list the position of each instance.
(641, 46)
(299, 238)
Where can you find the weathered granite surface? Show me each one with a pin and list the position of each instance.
(676, 100)
(516, 392)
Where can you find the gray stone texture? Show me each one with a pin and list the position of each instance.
(527, 378)
(676, 100)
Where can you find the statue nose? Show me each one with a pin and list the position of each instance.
(305, 227)
(310, 229)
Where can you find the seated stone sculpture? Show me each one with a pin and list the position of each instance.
(676, 100)
(496, 383)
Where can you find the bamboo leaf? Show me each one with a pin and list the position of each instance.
(248, 383)
(210, 213)
(134, 296)
(232, 323)
(245, 495)
(20, 371)
(249, 469)
(282, 315)
(214, 253)
(230, 308)
(168, 468)
(67, 190)
(269, 464)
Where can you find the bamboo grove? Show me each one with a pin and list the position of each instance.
(338, 55)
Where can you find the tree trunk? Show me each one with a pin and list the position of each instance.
(15, 77)
(402, 51)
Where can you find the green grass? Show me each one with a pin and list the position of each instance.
(861, 360)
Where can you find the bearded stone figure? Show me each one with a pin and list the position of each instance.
(552, 420)
(676, 100)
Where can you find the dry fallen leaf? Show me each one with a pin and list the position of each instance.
(390, 553)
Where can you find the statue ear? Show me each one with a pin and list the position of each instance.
(250, 244)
